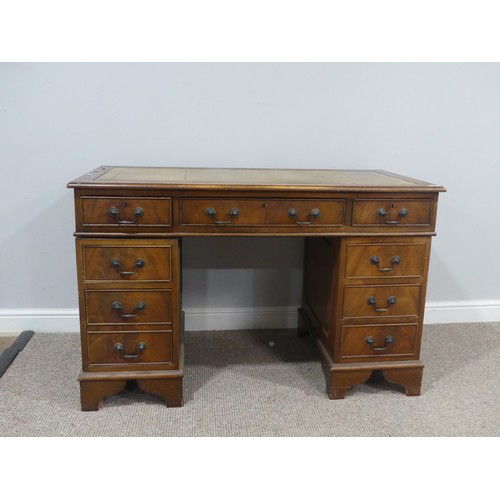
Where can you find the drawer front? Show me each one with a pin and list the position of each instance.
(379, 341)
(125, 211)
(385, 260)
(130, 348)
(127, 263)
(221, 212)
(381, 301)
(128, 307)
(305, 212)
(392, 212)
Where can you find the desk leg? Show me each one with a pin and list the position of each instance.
(96, 386)
(93, 393)
(409, 378)
(168, 389)
(341, 381)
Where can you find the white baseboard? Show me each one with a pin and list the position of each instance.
(462, 311)
(39, 320)
(14, 321)
(241, 318)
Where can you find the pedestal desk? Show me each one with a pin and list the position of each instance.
(368, 236)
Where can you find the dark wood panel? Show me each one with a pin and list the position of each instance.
(319, 281)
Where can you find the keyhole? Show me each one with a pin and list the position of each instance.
(126, 205)
(393, 205)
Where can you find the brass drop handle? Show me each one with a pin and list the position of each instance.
(314, 214)
(116, 263)
(390, 302)
(117, 306)
(389, 340)
(211, 212)
(139, 349)
(396, 259)
(115, 214)
(381, 212)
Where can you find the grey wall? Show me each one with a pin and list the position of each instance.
(438, 122)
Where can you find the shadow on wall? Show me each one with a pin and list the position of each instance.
(442, 278)
(38, 258)
(242, 272)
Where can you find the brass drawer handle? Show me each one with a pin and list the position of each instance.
(139, 263)
(390, 302)
(376, 262)
(211, 212)
(292, 213)
(381, 212)
(139, 349)
(389, 340)
(117, 306)
(115, 214)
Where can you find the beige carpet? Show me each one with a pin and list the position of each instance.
(237, 384)
(6, 342)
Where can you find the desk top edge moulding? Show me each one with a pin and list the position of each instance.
(251, 178)
(367, 237)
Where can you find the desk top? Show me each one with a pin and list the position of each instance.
(250, 178)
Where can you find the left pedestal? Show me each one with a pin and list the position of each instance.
(130, 320)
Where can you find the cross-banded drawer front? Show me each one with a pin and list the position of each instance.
(367, 342)
(119, 262)
(392, 212)
(385, 260)
(125, 212)
(128, 307)
(227, 212)
(130, 348)
(381, 301)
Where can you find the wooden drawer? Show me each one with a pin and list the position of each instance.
(126, 260)
(221, 212)
(122, 212)
(130, 348)
(128, 307)
(305, 212)
(385, 260)
(392, 212)
(261, 212)
(381, 301)
(366, 342)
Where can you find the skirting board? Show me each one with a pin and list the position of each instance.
(239, 318)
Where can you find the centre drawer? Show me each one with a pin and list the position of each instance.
(128, 307)
(304, 212)
(221, 212)
(381, 301)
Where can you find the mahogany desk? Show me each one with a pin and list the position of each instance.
(365, 268)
